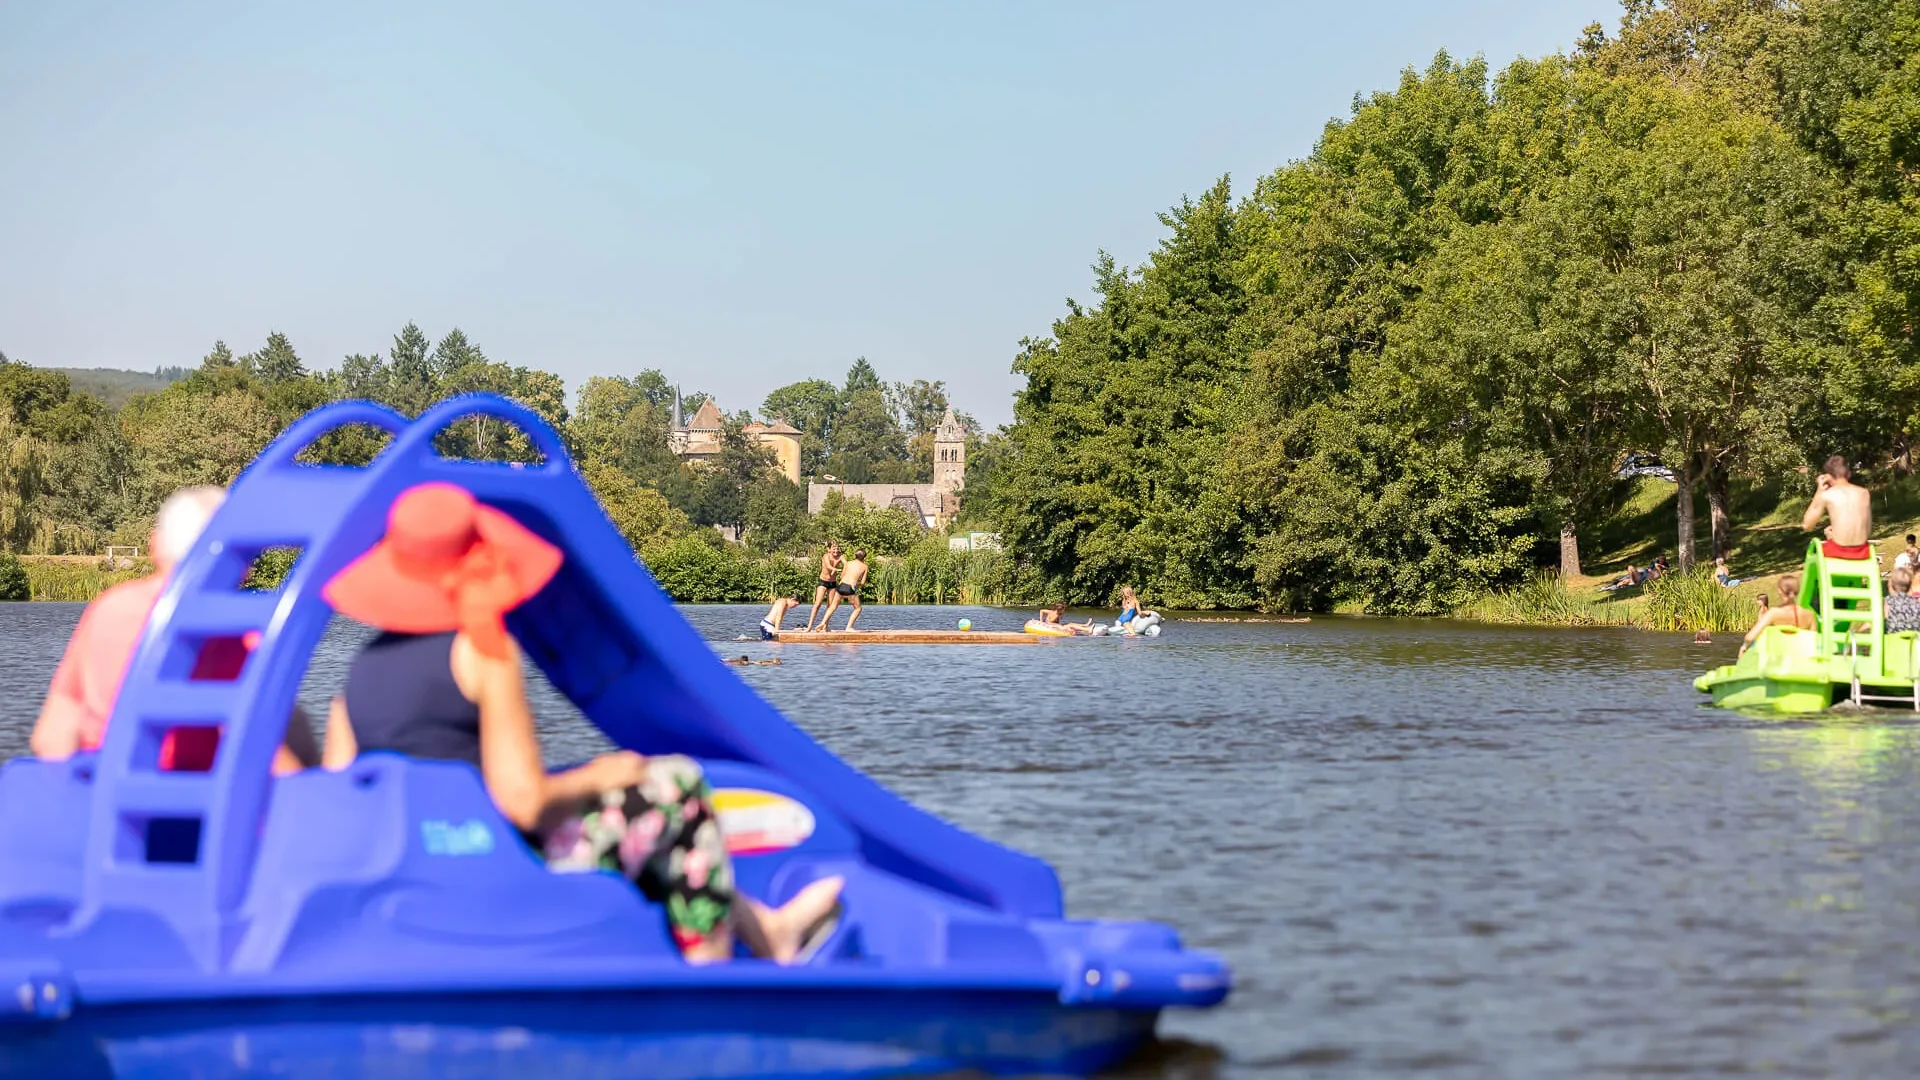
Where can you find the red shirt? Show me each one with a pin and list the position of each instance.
(99, 653)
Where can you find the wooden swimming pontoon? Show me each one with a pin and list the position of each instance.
(910, 637)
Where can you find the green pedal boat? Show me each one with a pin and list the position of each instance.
(1847, 657)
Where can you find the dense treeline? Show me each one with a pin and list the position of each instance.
(1409, 367)
(77, 475)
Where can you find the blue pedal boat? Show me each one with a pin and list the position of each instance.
(384, 920)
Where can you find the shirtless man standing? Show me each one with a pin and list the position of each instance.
(852, 576)
(829, 567)
(1848, 509)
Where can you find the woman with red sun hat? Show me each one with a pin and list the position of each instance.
(443, 681)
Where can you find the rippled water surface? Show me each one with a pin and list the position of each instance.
(1428, 848)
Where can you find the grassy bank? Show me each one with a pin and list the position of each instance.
(70, 578)
(1676, 602)
(1767, 541)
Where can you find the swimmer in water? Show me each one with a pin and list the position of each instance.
(770, 623)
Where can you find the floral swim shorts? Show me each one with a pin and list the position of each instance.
(662, 835)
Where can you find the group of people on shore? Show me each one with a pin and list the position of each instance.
(442, 680)
(1636, 575)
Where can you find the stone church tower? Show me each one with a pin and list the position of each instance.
(949, 454)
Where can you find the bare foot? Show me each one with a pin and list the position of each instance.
(786, 928)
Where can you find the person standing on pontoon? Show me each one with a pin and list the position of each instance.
(852, 576)
(1848, 509)
(822, 589)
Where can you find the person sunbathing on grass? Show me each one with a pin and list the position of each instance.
(1634, 576)
(1787, 613)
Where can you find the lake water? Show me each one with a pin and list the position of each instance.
(1428, 848)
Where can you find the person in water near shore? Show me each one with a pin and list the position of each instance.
(1848, 509)
(443, 681)
(1787, 613)
(87, 682)
(852, 576)
(770, 622)
(823, 588)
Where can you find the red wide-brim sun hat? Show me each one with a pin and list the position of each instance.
(447, 563)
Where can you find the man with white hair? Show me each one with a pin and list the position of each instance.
(80, 701)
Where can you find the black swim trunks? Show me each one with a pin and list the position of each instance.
(826, 583)
(845, 589)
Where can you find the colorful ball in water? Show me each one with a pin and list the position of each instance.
(966, 624)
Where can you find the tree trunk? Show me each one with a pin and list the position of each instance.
(1569, 552)
(1683, 470)
(1717, 500)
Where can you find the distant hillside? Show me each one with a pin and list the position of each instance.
(115, 386)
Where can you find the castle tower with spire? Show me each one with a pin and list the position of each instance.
(949, 454)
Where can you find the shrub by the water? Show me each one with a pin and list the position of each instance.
(696, 570)
(880, 530)
(1695, 601)
(1673, 602)
(1542, 599)
(270, 568)
(932, 573)
(13, 579)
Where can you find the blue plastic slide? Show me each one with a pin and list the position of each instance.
(386, 921)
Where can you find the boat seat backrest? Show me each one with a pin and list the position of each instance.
(412, 858)
(1780, 642)
(44, 807)
(1901, 655)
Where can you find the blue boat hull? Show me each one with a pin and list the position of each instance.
(660, 1036)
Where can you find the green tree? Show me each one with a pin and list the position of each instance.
(868, 445)
(219, 357)
(412, 380)
(889, 530)
(640, 513)
(1106, 477)
(13, 579)
(811, 405)
(181, 436)
(861, 378)
(725, 482)
(776, 517)
(275, 363)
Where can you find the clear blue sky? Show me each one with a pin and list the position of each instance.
(739, 194)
